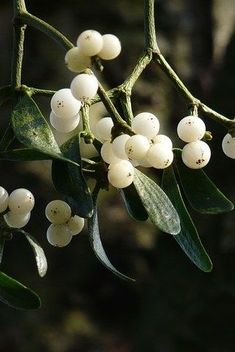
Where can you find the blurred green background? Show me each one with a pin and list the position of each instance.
(172, 307)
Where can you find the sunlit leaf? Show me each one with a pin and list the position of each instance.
(16, 294)
(97, 246)
(133, 203)
(69, 180)
(39, 254)
(158, 206)
(188, 238)
(200, 191)
(31, 129)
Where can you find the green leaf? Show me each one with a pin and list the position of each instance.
(158, 206)
(39, 254)
(23, 154)
(69, 180)
(16, 294)
(200, 191)
(133, 203)
(31, 129)
(97, 246)
(188, 238)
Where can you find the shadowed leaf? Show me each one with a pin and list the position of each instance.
(188, 238)
(133, 203)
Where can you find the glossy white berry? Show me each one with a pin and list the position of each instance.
(4, 198)
(146, 124)
(137, 146)
(76, 224)
(90, 42)
(58, 211)
(16, 220)
(196, 155)
(111, 47)
(162, 138)
(59, 235)
(76, 61)
(103, 129)
(84, 87)
(228, 146)
(119, 146)
(21, 201)
(121, 174)
(107, 153)
(160, 156)
(64, 125)
(63, 103)
(191, 129)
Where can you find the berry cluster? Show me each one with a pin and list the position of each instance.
(91, 43)
(16, 207)
(63, 225)
(196, 153)
(146, 148)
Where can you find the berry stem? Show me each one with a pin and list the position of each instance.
(46, 28)
(86, 133)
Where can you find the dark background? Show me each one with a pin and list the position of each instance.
(172, 307)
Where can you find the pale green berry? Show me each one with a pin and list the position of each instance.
(4, 198)
(118, 146)
(59, 235)
(16, 220)
(90, 42)
(64, 125)
(58, 211)
(111, 47)
(107, 153)
(76, 224)
(103, 129)
(76, 61)
(21, 201)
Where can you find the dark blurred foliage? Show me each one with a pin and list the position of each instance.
(172, 307)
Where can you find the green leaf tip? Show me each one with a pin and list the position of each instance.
(157, 204)
(16, 295)
(188, 238)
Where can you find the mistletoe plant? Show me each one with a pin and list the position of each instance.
(122, 143)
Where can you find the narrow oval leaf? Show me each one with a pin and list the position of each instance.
(133, 203)
(31, 128)
(16, 294)
(200, 191)
(39, 254)
(69, 180)
(158, 206)
(97, 246)
(188, 238)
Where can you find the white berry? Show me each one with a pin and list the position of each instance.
(84, 87)
(59, 235)
(119, 146)
(162, 138)
(196, 155)
(111, 47)
(228, 146)
(90, 42)
(107, 153)
(16, 220)
(63, 103)
(103, 129)
(136, 147)
(191, 129)
(76, 61)
(75, 224)
(146, 124)
(58, 211)
(21, 201)
(121, 174)
(160, 156)
(4, 198)
(64, 125)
